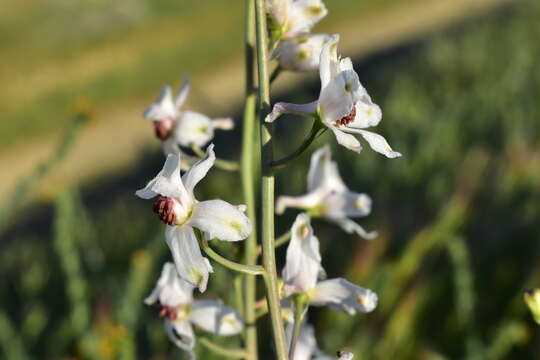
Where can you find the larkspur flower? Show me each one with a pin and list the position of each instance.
(301, 53)
(184, 128)
(174, 296)
(292, 17)
(175, 205)
(344, 105)
(303, 270)
(307, 348)
(328, 196)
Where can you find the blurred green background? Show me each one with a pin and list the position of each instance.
(459, 214)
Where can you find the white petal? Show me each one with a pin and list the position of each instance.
(302, 53)
(212, 316)
(323, 172)
(339, 96)
(329, 58)
(306, 346)
(167, 182)
(170, 289)
(221, 220)
(278, 11)
(190, 264)
(341, 204)
(345, 64)
(180, 333)
(367, 115)
(199, 170)
(376, 142)
(343, 295)
(162, 108)
(183, 93)
(193, 128)
(343, 355)
(223, 123)
(303, 264)
(303, 15)
(282, 108)
(352, 227)
(308, 201)
(346, 140)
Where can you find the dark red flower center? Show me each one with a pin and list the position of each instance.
(163, 128)
(347, 119)
(164, 209)
(169, 312)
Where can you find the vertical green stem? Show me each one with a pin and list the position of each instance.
(248, 183)
(300, 310)
(269, 257)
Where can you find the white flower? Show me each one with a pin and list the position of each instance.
(175, 298)
(185, 128)
(301, 53)
(303, 264)
(344, 106)
(303, 269)
(307, 348)
(328, 196)
(176, 205)
(293, 17)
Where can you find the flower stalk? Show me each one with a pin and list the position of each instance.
(231, 265)
(268, 182)
(248, 181)
(221, 350)
(300, 309)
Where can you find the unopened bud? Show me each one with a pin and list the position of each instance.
(532, 299)
(164, 207)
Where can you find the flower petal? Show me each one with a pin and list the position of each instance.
(170, 289)
(376, 142)
(352, 227)
(181, 334)
(343, 295)
(306, 345)
(167, 182)
(328, 61)
(323, 172)
(213, 316)
(303, 264)
(221, 220)
(193, 129)
(308, 201)
(190, 264)
(303, 15)
(367, 115)
(301, 53)
(163, 106)
(282, 108)
(199, 170)
(346, 140)
(183, 93)
(338, 97)
(223, 123)
(341, 204)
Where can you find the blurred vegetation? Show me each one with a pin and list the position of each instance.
(459, 218)
(112, 53)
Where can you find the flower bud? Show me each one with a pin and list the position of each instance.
(532, 299)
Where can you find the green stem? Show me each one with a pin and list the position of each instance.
(221, 350)
(282, 240)
(299, 311)
(275, 73)
(241, 268)
(248, 182)
(268, 181)
(316, 131)
(226, 165)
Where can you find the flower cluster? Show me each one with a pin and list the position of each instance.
(177, 128)
(290, 23)
(174, 297)
(345, 108)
